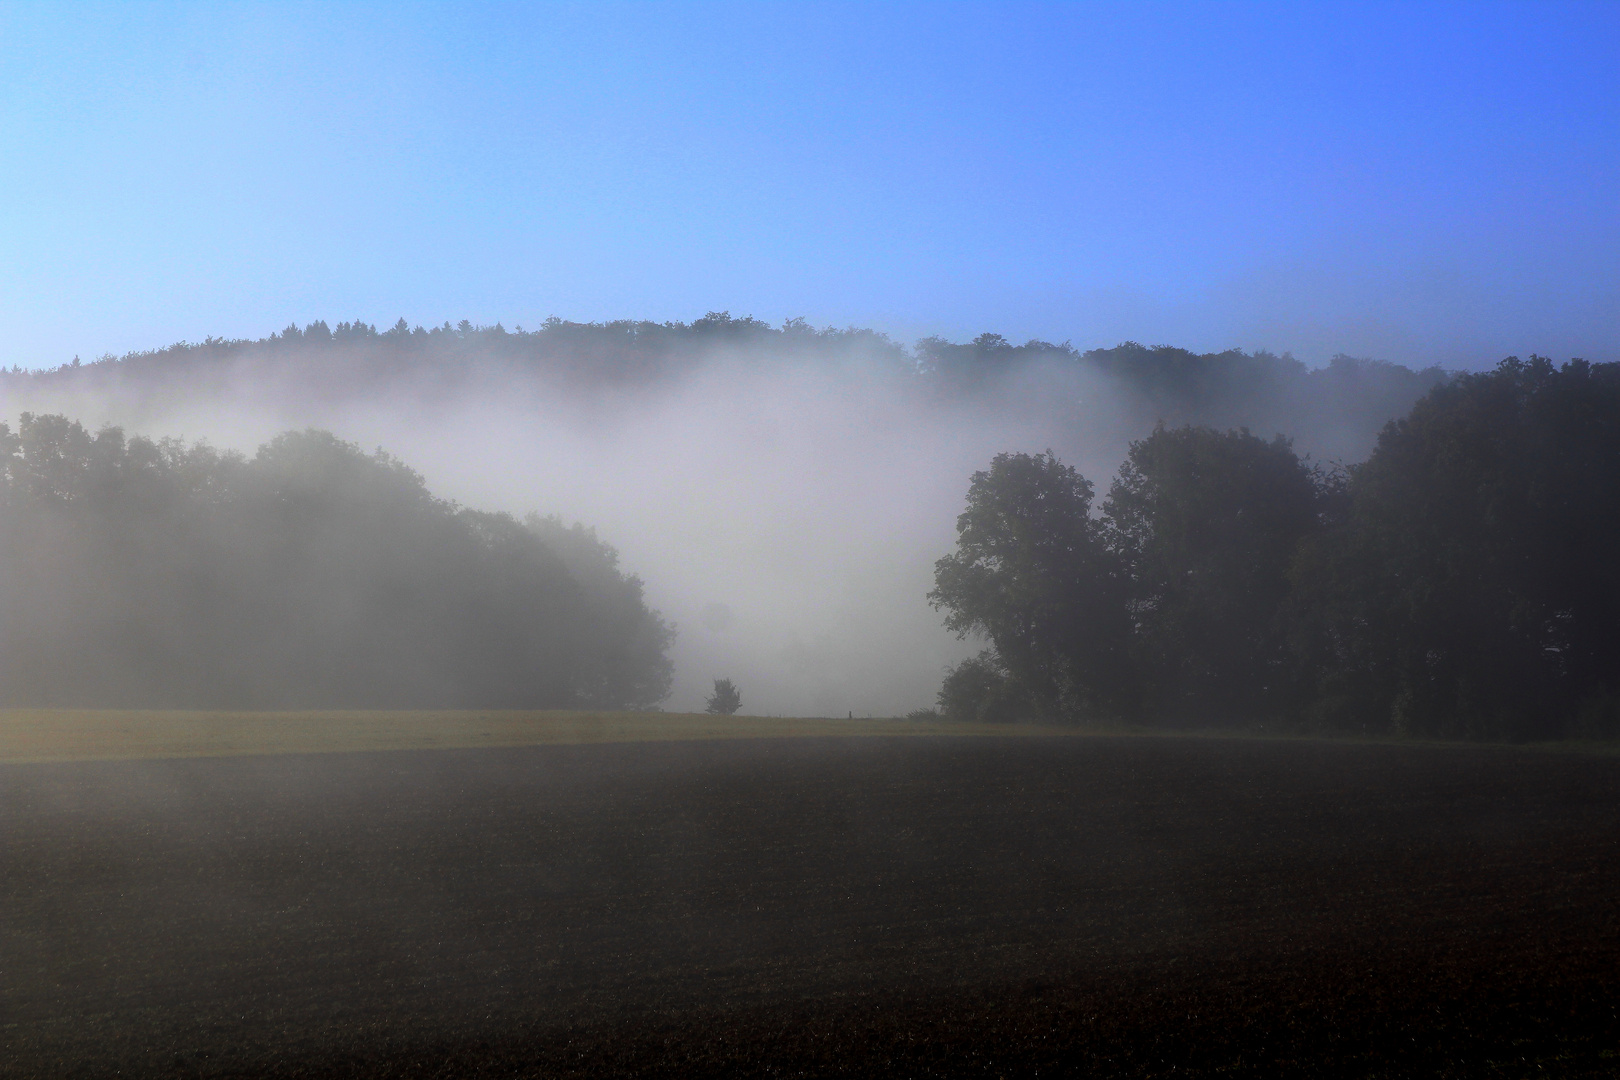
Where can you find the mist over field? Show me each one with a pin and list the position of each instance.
(783, 494)
(906, 539)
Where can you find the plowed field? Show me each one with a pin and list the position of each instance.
(815, 906)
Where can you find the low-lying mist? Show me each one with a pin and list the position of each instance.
(785, 510)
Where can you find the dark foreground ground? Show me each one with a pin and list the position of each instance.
(916, 907)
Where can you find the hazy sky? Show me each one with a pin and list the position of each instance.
(1420, 183)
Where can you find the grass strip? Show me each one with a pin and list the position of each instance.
(58, 735)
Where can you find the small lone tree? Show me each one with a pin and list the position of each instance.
(725, 700)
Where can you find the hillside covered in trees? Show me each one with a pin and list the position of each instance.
(141, 573)
(784, 489)
(1338, 407)
(1464, 581)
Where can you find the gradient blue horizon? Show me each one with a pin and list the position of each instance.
(1425, 184)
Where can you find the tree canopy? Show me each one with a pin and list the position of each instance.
(1033, 572)
(152, 573)
(1464, 581)
(1205, 524)
(1342, 405)
(725, 700)
(1474, 587)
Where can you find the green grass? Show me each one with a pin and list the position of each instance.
(43, 735)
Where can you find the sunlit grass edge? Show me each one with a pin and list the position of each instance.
(57, 735)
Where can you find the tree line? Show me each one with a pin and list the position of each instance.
(1462, 582)
(1342, 404)
(142, 573)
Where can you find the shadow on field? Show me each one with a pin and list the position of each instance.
(929, 907)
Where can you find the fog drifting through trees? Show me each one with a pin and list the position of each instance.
(783, 494)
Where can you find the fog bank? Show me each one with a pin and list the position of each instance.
(785, 513)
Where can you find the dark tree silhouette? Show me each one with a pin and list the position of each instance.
(1341, 406)
(1032, 572)
(725, 700)
(1474, 588)
(1463, 582)
(1206, 524)
(980, 689)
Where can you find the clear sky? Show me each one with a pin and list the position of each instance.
(1422, 183)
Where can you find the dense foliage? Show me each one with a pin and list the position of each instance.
(725, 700)
(1463, 581)
(141, 573)
(1033, 573)
(1474, 588)
(1340, 406)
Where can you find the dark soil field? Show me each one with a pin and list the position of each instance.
(815, 907)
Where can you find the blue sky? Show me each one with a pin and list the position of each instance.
(1420, 183)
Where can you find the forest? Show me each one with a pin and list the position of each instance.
(1340, 404)
(1449, 575)
(1462, 582)
(139, 573)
